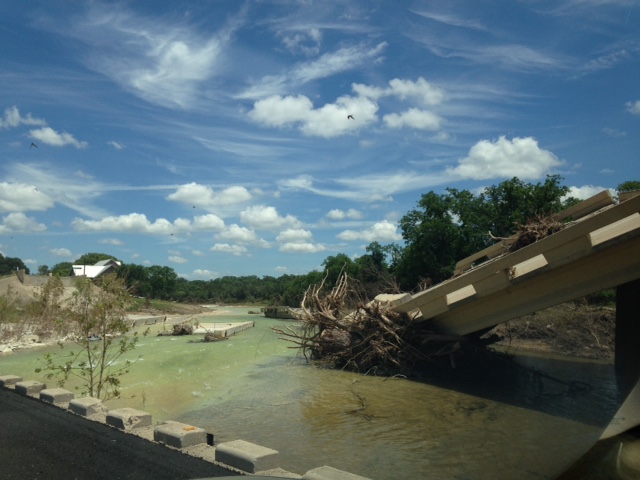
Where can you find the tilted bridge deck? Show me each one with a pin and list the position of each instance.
(600, 250)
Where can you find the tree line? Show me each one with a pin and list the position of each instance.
(442, 229)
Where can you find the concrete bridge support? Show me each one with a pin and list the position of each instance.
(627, 344)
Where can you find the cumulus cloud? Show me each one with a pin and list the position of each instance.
(208, 222)
(12, 118)
(22, 197)
(420, 90)
(19, 223)
(301, 247)
(266, 218)
(633, 107)
(586, 191)
(327, 121)
(519, 157)
(49, 136)
(177, 259)
(204, 196)
(413, 118)
(61, 252)
(294, 235)
(131, 223)
(238, 234)
(383, 231)
(203, 273)
(351, 214)
(236, 250)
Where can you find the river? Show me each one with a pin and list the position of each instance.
(253, 387)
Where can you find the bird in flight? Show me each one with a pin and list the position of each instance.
(350, 117)
(33, 145)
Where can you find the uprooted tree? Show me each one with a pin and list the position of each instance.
(341, 331)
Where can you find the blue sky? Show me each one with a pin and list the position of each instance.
(214, 138)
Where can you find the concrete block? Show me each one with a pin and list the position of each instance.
(30, 387)
(56, 395)
(9, 380)
(330, 473)
(128, 418)
(86, 406)
(179, 435)
(246, 456)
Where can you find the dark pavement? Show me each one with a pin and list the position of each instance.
(41, 441)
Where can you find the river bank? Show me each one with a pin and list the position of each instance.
(569, 329)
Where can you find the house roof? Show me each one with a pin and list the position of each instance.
(91, 271)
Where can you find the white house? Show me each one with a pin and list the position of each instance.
(100, 268)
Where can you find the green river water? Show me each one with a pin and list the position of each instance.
(252, 387)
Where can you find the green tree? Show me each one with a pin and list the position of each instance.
(162, 282)
(10, 264)
(628, 186)
(98, 315)
(93, 258)
(43, 270)
(63, 269)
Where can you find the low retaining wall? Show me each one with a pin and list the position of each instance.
(237, 455)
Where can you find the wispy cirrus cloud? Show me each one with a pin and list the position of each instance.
(162, 63)
(327, 65)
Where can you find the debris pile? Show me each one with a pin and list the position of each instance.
(367, 337)
(535, 229)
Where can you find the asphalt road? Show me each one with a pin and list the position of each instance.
(41, 441)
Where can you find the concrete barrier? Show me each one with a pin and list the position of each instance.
(30, 387)
(128, 418)
(239, 454)
(9, 380)
(179, 435)
(87, 406)
(56, 395)
(246, 456)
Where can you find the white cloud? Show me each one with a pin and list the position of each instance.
(116, 145)
(328, 64)
(266, 218)
(337, 214)
(327, 121)
(294, 235)
(12, 118)
(177, 259)
(202, 273)
(20, 223)
(383, 231)
(61, 252)
(413, 118)
(22, 197)
(633, 107)
(586, 191)
(159, 62)
(204, 196)
(236, 250)
(132, 223)
(420, 90)
(208, 222)
(238, 234)
(302, 247)
(49, 136)
(111, 241)
(519, 157)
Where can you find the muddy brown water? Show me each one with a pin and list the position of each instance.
(253, 387)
